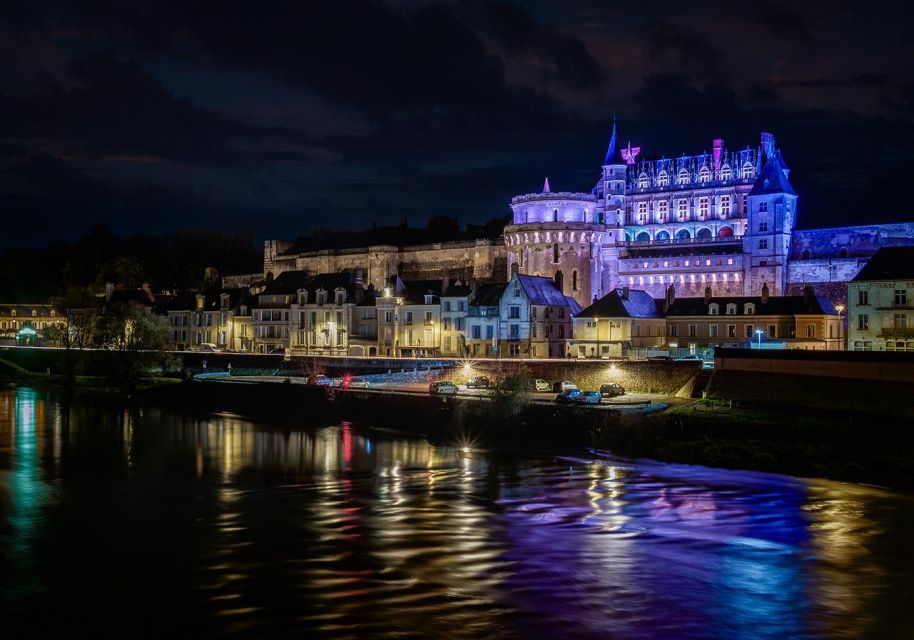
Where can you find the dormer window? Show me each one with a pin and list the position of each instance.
(714, 309)
(340, 296)
(763, 206)
(731, 309)
(683, 177)
(53, 313)
(302, 296)
(747, 171)
(643, 181)
(725, 172)
(428, 299)
(663, 180)
(704, 175)
(516, 294)
(321, 296)
(34, 312)
(749, 309)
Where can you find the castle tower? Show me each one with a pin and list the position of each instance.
(772, 211)
(558, 232)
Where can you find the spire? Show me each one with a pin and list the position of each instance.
(546, 188)
(612, 153)
(772, 178)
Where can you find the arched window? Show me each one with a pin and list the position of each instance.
(704, 175)
(663, 179)
(725, 232)
(842, 253)
(683, 234)
(555, 215)
(731, 309)
(806, 255)
(662, 236)
(643, 236)
(704, 234)
(574, 280)
(714, 309)
(749, 309)
(643, 181)
(555, 253)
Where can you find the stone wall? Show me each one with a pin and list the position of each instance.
(862, 241)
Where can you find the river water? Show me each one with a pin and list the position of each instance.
(119, 522)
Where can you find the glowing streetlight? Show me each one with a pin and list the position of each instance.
(759, 333)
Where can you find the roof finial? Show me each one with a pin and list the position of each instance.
(546, 188)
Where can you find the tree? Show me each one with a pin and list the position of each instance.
(139, 339)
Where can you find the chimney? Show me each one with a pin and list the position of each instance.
(358, 279)
(514, 268)
(445, 283)
(765, 293)
(559, 281)
(708, 294)
(625, 292)
(670, 297)
(474, 288)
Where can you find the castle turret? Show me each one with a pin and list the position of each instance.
(772, 210)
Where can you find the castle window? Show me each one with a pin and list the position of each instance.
(842, 253)
(663, 180)
(704, 175)
(714, 309)
(703, 208)
(763, 243)
(763, 207)
(747, 171)
(724, 206)
(643, 181)
(662, 207)
(683, 206)
(726, 173)
(731, 309)
(745, 202)
(683, 177)
(805, 255)
(574, 280)
(555, 253)
(762, 227)
(555, 215)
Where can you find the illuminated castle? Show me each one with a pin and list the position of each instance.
(722, 219)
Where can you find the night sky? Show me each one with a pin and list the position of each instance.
(280, 117)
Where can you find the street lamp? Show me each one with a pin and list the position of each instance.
(759, 333)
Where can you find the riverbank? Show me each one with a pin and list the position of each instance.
(840, 446)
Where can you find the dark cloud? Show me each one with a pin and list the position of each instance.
(683, 47)
(860, 80)
(782, 22)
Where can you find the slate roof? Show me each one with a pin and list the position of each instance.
(772, 179)
(489, 294)
(613, 155)
(24, 311)
(415, 291)
(776, 306)
(457, 291)
(290, 282)
(542, 290)
(888, 263)
(573, 305)
(639, 304)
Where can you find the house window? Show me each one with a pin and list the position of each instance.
(673, 330)
(514, 331)
(447, 305)
(750, 329)
(762, 227)
(772, 331)
(428, 317)
(731, 309)
(763, 206)
(490, 332)
(712, 330)
(810, 331)
(749, 309)
(763, 243)
(514, 312)
(409, 317)
(693, 330)
(901, 297)
(863, 322)
(731, 330)
(477, 332)
(714, 309)
(901, 321)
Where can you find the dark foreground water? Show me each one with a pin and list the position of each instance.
(159, 525)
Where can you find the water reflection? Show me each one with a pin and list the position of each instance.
(227, 527)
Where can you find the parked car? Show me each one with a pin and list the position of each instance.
(207, 347)
(588, 397)
(689, 358)
(478, 382)
(563, 385)
(442, 389)
(348, 382)
(611, 390)
(660, 358)
(567, 396)
(539, 385)
(319, 380)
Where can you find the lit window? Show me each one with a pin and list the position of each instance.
(663, 179)
(724, 206)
